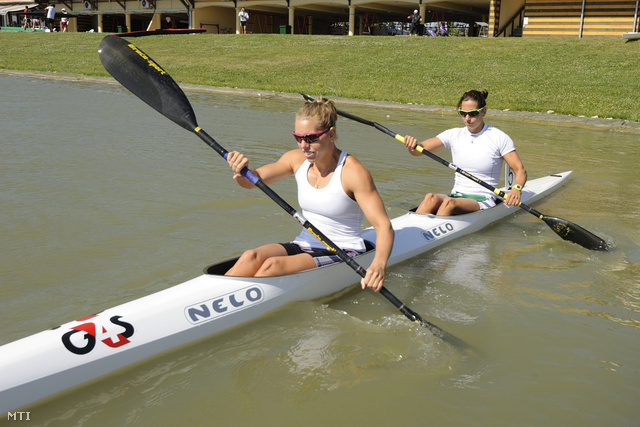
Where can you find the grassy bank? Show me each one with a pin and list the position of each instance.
(590, 77)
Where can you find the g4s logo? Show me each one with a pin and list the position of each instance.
(114, 334)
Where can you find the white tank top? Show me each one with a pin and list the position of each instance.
(330, 210)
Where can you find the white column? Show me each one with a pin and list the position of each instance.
(423, 11)
(155, 23)
(292, 18)
(352, 19)
(238, 20)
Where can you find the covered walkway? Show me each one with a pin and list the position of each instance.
(343, 17)
(490, 18)
(331, 17)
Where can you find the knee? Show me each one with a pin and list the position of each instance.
(249, 257)
(447, 207)
(270, 267)
(430, 204)
(448, 202)
(431, 198)
(246, 265)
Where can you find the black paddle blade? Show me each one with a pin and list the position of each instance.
(576, 234)
(147, 80)
(443, 335)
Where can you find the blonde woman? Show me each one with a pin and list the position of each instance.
(335, 193)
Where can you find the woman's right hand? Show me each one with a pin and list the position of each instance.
(237, 162)
(410, 142)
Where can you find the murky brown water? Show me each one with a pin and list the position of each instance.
(103, 200)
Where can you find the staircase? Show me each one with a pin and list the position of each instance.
(513, 27)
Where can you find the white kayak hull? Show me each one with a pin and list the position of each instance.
(40, 365)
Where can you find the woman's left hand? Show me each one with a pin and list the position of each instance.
(513, 198)
(374, 278)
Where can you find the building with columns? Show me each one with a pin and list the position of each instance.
(491, 18)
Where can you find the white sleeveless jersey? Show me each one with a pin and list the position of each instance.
(330, 210)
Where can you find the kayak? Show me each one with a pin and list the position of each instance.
(418, 233)
(54, 360)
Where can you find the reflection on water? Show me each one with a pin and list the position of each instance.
(104, 200)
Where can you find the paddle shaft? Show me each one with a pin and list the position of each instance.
(137, 72)
(563, 228)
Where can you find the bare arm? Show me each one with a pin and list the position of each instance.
(514, 162)
(359, 185)
(272, 172)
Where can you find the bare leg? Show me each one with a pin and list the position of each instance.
(457, 206)
(431, 203)
(250, 261)
(276, 266)
(270, 260)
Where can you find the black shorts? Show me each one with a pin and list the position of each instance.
(293, 249)
(321, 257)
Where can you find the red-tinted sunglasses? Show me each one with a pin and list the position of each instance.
(310, 137)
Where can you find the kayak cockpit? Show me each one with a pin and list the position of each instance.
(498, 201)
(221, 268)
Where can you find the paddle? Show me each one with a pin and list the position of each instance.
(137, 72)
(563, 228)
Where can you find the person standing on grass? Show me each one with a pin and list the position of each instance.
(64, 22)
(477, 148)
(244, 17)
(51, 16)
(26, 22)
(335, 191)
(414, 25)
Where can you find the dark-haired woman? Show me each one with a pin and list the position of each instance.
(478, 149)
(335, 192)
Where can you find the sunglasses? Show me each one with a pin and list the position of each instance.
(310, 137)
(471, 113)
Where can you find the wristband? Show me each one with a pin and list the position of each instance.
(518, 187)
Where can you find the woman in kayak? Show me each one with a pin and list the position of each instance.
(335, 193)
(477, 148)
